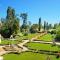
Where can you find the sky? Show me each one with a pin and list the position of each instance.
(48, 10)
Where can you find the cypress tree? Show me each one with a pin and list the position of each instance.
(39, 23)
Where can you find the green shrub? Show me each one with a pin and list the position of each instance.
(58, 34)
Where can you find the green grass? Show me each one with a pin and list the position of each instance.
(9, 42)
(28, 56)
(30, 36)
(18, 39)
(47, 37)
(40, 46)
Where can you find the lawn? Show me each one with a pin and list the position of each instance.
(29, 56)
(3, 42)
(18, 39)
(47, 37)
(40, 46)
(30, 36)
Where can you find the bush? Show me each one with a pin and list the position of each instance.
(25, 34)
(6, 33)
(34, 28)
(52, 32)
(57, 34)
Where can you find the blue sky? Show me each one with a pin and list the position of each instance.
(48, 10)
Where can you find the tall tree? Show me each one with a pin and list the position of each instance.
(11, 23)
(39, 23)
(57, 38)
(44, 25)
(55, 25)
(24, 25)
(24, 17)
(47, 26)
(10, 13)
(50, 26)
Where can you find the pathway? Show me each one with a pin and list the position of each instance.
(2, 51)
(41, 34)
(22, 45)
(57, 43)
(23, 48)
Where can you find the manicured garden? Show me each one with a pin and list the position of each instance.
(30, 36)
(29, 56)
(40, 46)
(35, 46)
(18, 39)
(3, 42)
(23, 38)
(47, 37)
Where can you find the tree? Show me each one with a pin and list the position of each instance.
(55, 25)
(47, 26)
(24, 26)
(57, 34)
(44, 25)
(24, 17)
(50, 26)
(39, 23)
(34, 28)
(10, 13)
(29, 25)
(11, 23)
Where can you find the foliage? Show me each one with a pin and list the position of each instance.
(10, 24)
(58, 33)
(34, 28)
(55, 25)
(50, 26)
(24, 27)
(47, 37)
(44, 25)
(53, 32)
(39, 24)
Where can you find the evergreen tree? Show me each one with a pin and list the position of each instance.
(39, 23)
(47, 26)
(44, 25)
(11, 23)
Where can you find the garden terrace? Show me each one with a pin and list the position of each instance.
(40, 46)
(47, 37)
(29, 56)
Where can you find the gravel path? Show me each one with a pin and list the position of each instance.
(23, 43)
(57, 43)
